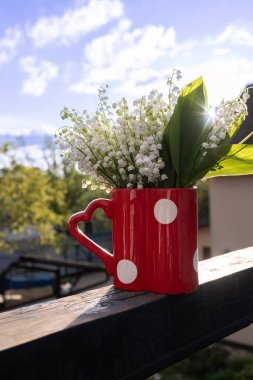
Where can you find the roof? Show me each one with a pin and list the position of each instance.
(6, 260)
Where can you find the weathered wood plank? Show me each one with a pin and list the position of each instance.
(126, 335)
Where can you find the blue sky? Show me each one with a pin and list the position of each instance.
(56, 53)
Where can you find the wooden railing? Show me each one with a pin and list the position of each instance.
(112, 334)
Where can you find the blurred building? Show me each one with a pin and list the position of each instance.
(231, 215)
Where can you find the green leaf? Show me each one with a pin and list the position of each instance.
(205, 164)
(239, 161)
(187, 130)
(196, 84)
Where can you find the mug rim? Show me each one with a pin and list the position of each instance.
(177, 189)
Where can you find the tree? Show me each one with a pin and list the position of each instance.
(42, 201)
(25, 197)
(76, 198)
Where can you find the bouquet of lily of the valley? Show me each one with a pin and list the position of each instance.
(160, 142)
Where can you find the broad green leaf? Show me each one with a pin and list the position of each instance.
(239, 161)
(212, 158)
(187, 129)
(202, 165)
(195, 85)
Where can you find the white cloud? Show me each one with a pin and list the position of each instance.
(183, 48)
(40, 72)
(115, 55)
(19, 126)
(30, 155)
(141, 82)
(220, 52)
(9, 44)
(235, 35)
(137, 60)
(75, 23)
(224, 77)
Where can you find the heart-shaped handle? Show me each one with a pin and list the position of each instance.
(85, 216)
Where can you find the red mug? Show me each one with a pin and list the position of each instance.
(154, 233)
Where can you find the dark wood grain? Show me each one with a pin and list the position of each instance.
(111, 334)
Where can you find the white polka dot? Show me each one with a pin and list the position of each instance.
(195, 260)
(165, 211)
(126, 271)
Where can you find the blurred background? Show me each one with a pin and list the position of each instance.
(57, 53)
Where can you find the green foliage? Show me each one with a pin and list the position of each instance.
(225, 374)
(4, 148)
(43, 200)
(224, 160)
(186, 131)
(25, 196)
(239, 160)
(75, 198)
(199, 365)
(238, 369)
(246, 372)
(210, 163)
(212, 363)
(185, 162)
